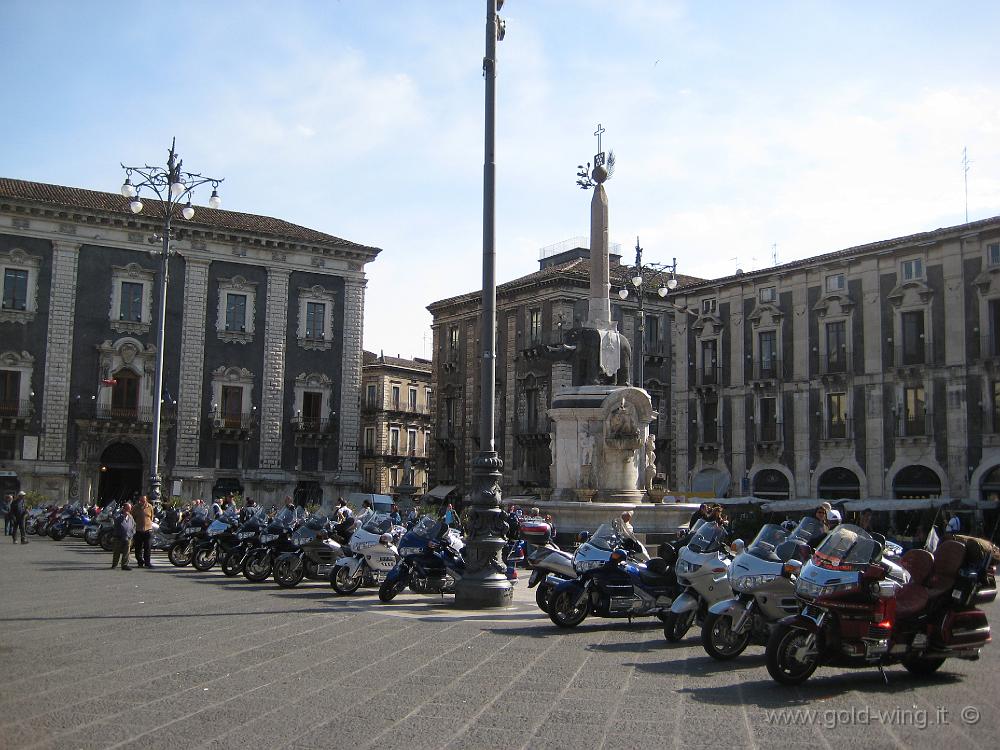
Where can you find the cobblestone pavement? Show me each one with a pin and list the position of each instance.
(96, 658)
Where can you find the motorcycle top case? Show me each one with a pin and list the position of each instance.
(965, 629)
(535, 531)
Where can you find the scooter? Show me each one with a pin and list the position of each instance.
(764, 587)
(702, 569)
(372, 554)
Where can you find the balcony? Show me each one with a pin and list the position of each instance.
(406, 408)
(108, 416)
(768, 433)
(709, 438)
(989, 349)
(837, 362)
(541, 343)
(838, 429)
(369, 451)
(16, 412)
(401, 454)
(768, 370)
(917, 427)
(234, 424)
(708, 377)
(913, 355)
(655, 352)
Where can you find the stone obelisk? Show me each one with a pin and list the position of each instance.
(599, 310)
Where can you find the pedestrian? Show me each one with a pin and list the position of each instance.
(450, 516)
(5, 512)
(627, 523)
(954, 524)
(866, 519)
(411, 517)
(394, 516)
(142, 513)
(18, 510)
(123, 532)
(699, 515)
(217, 508)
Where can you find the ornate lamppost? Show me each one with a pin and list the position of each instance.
(656, 272)
(174, 188)
(485, 583)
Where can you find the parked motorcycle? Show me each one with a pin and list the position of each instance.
(702, 569)
(313, 555)
(371, 554)
(764, 587)
(182, 551)
(71, 521)
(609, 584)
(220, 537)
(859, 609)
(232, 560)
(272, 541)
(430, 561)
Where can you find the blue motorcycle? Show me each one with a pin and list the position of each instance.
(430, 561)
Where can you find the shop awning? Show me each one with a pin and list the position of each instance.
(441, 491)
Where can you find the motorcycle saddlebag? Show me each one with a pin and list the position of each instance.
(966, 628)
(969, 590)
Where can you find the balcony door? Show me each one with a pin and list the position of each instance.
(232, 405)
(312, 405)
(10, 392)
(125, 395)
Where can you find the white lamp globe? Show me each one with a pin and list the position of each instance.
(623, 293)
(135, 205)
(188, 211)
(662, 291)
(128, 190)
(215, 201)
(671, 283)
(176, 188)
(637, 280)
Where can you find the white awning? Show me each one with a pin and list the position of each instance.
(441, 491)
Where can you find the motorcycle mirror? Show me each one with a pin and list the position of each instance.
(738, 546)
(790, 568)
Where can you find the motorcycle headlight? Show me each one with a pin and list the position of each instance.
(265, 538)
(748, 583)
(685, 567)
(814, 590)
(404, 551)
(582, 566)
(245, 534)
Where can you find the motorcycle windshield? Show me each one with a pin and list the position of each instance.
(766, 541)
(426, 528)
(285, 518)
(317, 521)
(304, 534)
(709, 538)
(847, 547)
(808, 528)
(378, 523)
(608, 536)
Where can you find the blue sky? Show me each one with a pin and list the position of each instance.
(736, 125)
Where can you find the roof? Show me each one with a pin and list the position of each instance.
(575, 272)
(370, 359)
(70, 198)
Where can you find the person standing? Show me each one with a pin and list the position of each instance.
(142, 514)
(5, 512)
(18, 510)
(450, 516)
(124, 531)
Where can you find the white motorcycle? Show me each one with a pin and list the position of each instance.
(369, 556)
(703, 568)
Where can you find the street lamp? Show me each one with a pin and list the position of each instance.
(174, 188)
(484, 583)
(659, 273)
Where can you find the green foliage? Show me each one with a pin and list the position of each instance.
(33, 498)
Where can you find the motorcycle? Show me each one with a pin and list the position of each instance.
(182, 551)
(371, 554)
(72, 521)
(544, 558)
(165, 531)
(260, 560)
(231, 561)
(220, 537)
(430, 561)
(764, 587)
(859, 609)
(610, 584)
(702, 569)
(313, 556)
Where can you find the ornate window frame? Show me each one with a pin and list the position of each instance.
(232, 376)
(23, 363)
(127, 353)
(317, 383)
(324, 296)
(17, 259)
(135, 274)
(236, 285)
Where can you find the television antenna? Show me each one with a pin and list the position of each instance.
(965, 175)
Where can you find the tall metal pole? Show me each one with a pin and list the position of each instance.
(161, 324)
(642, 316)
(485, 583)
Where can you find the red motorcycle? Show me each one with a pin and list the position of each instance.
(860, 610)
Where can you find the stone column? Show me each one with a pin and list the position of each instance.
(349, 436)
(59, 351)
(510, 387)
(275, 341)
(190, 395)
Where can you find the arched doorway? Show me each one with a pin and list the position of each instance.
(770, 484)
(121, 473)
(916, 482)
(838, 483)
(989, 487)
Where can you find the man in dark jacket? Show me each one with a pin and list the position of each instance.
(18, 510)
(123, 532)
(5, 512)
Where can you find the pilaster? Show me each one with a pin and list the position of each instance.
(190, 406)
(350, 379)
(275, 340)
(59, 350)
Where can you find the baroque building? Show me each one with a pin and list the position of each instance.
(262, 353)
(396, 408)
(534, 314)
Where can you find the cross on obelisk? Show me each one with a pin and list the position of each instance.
(598, 134)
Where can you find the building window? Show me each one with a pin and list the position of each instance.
(913, 338)
(232, 389)
(394, 477)
(709, 361)
(394, 403)
(766, 294)
(710, 422)
(412, 392)
(453, 342)
(10, 393)
(652, 329)
(229, 455)
(8, 446)
(428, 404)
(993, 254)
(534, 326)
(767, 349)
(914, 411)
(411, 442)
(370, 439)
(708, 306)
(393, 441)
(125, 395)
(130, 304)
(19, 272)
(995, 424)
(312, 411)
(309, 458)
(913, 269)
(315, 330)
(836, 415)
(768, 426)
(232, 406)
(236, 312)
(371, 400)
(15, 289)
(836, 346)
(369, 478)
(835, 282)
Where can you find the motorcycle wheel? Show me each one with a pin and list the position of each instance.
(675, 626)
(257, 567)
(288, 573)
(57, 536)
(90, 537)
(388, 590)
(543, 596)
(782, 663)
(922, 665)
(343, 583)
(231, 564)
(563, 612)
(204, 559)
(105, 540)
(178, 555)
(719, 640)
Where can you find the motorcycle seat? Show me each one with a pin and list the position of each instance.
(948, 559)
(913, 597)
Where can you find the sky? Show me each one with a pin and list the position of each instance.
(740, 129)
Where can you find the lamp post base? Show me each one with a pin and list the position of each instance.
(492, 592)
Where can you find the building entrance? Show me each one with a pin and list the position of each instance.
(121, 473)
